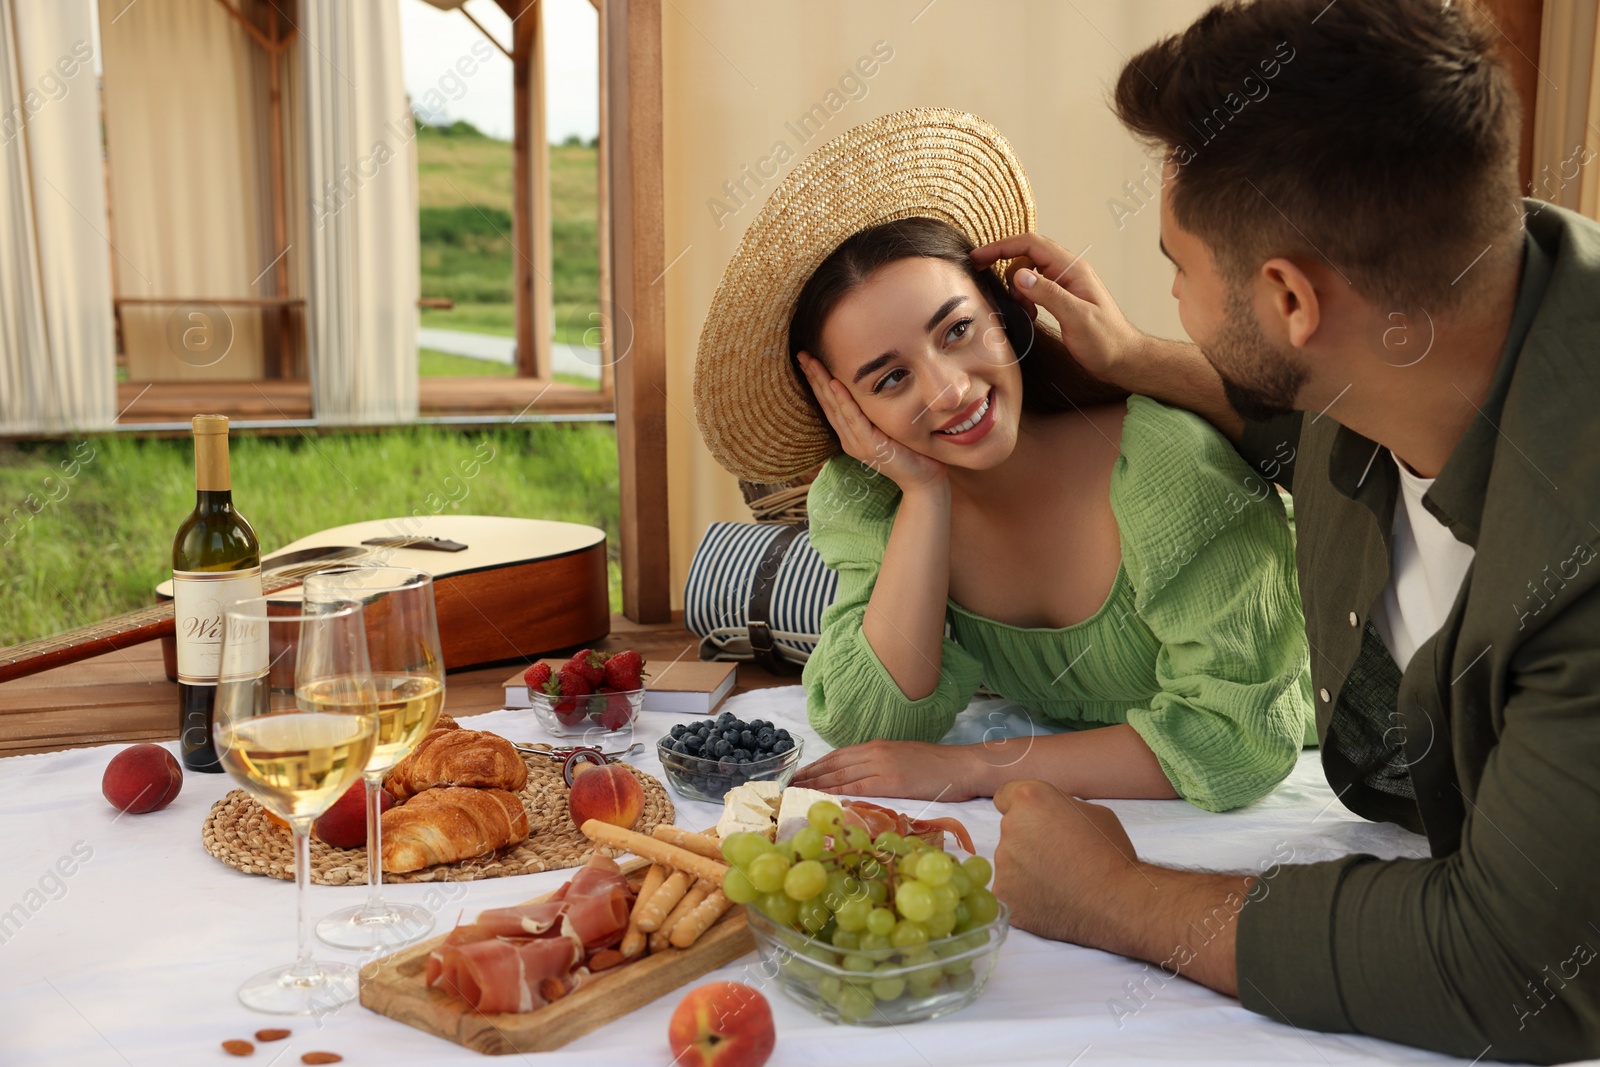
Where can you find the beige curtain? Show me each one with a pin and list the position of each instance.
(1566, 139)
(188, 147)
(57, 354)
(1037, 69)
(363, 279)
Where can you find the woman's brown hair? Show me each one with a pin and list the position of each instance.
(1052, 381)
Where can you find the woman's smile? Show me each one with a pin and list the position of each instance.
(973, 424)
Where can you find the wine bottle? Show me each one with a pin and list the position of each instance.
(216, 562)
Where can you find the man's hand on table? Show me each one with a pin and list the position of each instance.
(1068, 872)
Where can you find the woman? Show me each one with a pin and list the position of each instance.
(1114, 567)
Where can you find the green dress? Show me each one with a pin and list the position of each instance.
(1200, 646)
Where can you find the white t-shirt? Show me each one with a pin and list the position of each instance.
(1425, 575)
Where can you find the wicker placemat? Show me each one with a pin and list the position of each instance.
(239, 833)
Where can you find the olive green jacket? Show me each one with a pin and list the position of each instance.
(1489, 742)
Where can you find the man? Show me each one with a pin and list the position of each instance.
(1385, 328)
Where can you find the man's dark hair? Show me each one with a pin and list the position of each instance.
(1379, 136)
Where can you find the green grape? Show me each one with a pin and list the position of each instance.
(829, 989)
(880, 921)
(915, 901)
(857, 962)
(767, 871)
(826, 816)
(854, 1004)
(856, 837)
(984, 907)
(889, 841)
(740, 848)
(849, 940)
(853, 914)
(908, 934)
(780, 908)
(923, 983)
(962, 881)
(814, 916)
(888, 988)
(963, 914)
(874, 942)
(871, 868)
(907, 867)
(877, 892)
(935, 868)
(844, 886)
(945, 897)
(737, 888)
(805, 880)
(942, 923)
(960, 966)
(807, 843)
(979, 870)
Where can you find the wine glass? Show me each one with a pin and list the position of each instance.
(408, 674)
(296, 719)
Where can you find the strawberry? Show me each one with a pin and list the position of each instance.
(618, 712)
(591, 665)
(571, 692)
(536, 675)
(625, 670)
(573, 683)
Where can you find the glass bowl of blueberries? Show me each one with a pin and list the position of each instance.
(705, 759)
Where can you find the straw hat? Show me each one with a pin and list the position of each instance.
(926, 161)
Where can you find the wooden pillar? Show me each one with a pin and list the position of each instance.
(631, 129)
(530, 190)
(1519, 23)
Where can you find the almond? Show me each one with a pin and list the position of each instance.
(321, 1057)
(238, 1048)
(605, 958)
(271, 1035)
(552, 989)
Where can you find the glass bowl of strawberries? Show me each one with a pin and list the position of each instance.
(594, 695)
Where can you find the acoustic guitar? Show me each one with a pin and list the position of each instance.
(506, 589)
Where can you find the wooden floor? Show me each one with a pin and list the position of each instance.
(170, 402)
(125, 696)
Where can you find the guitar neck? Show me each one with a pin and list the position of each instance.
(119, 631)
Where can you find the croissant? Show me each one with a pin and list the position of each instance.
(450, 824)
(458, 757)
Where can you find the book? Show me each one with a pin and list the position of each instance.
(685, 687)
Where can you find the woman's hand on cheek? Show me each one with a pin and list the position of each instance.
(863, 440)
(914, 770)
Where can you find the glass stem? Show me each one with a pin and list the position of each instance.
(304, 965)
(375, 905)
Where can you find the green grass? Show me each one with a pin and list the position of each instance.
(103, 543)
(464, 197)
(433, 364)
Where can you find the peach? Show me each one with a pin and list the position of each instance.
(344, 824)
(611, 794)
(141, 778)
(722, 1024)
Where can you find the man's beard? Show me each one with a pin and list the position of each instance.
(1265, 379)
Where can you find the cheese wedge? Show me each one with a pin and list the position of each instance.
(748, 809)
(795, 811)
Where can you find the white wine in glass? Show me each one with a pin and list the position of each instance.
(408, 679)
(294, 754)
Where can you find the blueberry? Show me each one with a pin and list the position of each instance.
(726, 765)
(742, 755)
(725, 718)
(680, 729)
(691, 743)
(721, 748)
(747, 739)
(783, 745)
(765, 739)
(783, 735)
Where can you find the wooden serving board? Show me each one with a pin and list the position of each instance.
(393, 986)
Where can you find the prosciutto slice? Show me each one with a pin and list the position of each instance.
(498, 963)
(875, 819)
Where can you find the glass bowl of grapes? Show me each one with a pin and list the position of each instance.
(867, 931)
(705, 759)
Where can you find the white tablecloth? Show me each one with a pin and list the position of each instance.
(135, 956)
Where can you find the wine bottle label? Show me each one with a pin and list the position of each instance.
(199, 601)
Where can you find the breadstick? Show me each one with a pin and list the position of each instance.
(663, 900)
(691, 900)
(698, 921)
(699, 844)
(651, 849)
(634, 940)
